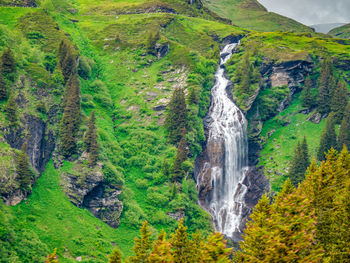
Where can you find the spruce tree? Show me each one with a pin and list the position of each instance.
(11, 110)
(339, 101)
(307, 96)
(91, 141)
(180, 244)
(176, 118)
(7, 63)
(325, 89)
(215, 249)
(344, 133)
(300, 163)
(52, 258)
(24, 173)
(115, 256)
(67, 59)
(193, 96)
(71, 117)
(3, 88)
(328, 139)
(161, 252)
(245, 73)
(181, 156)
(143, 245)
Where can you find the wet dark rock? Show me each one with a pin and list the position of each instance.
(87, 189)
(162, 50)
(159, 108)
(305, 111)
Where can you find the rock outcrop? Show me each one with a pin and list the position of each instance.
(86, 188)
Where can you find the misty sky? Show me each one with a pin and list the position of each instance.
(310, 12)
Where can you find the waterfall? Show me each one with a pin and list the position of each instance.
(227, 149)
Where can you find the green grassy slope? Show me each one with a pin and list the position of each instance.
(252, 15)
(341, 32)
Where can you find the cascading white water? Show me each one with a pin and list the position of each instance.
(227, 127)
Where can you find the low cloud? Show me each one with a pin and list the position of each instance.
(310, 12)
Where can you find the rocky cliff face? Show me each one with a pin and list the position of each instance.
(86, 188)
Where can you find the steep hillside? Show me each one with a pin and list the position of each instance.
(85, 91)
(341, 32)
(252, 15)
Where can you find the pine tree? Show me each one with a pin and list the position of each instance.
(176, 119)
(67, 59)
(180, 244)
(339, 101)
(24, 173)
(215, 250)
(161, 252)
(300, 163)
(143, 245)
(91, 141)
(344, 133)
(181, 156)
(11, 110)
(307, 96)
(328, 139)
(3, 88)
(8, 63)
(115, 256)
(71, 117)
(52, 258)
(245, 73)
(325, 87)
(193, 96)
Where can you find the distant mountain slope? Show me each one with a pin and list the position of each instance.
(251, 14)
(341, 32)
(325, 28)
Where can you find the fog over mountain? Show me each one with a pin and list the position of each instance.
(311, 12)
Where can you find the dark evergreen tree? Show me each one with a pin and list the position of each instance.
(161, 252)
(326, 86)
(116, 256)
(299, 164)
(71, 116)
(91, 141)
(8, 63)
(307, 94)
(176, 119)
(339, 101)
(151, 43)
(11, 110)
(24, 173)
(328, 138)
(344, 133)
(245, 74)
(193, 97)
(67, 59)
(181, 156)
(3, 88)
(180, 244)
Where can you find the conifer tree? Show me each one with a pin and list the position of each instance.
(161, 252)
(344, 133)
(300, 163)
(193, 96)
(339, 101)
(143, 245)
(115, 256)
(11, 110)
(3, 88)
(245, 73)
(180, 244)
(181, 156)
(215, 250)
(8, 63)
(176, 119)
(24, 173)
(91, 140)
(328, 139)
(151, 42)
(52, 258)
(71, 116)
(307, 96)
(325, 87)
(67, 59)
